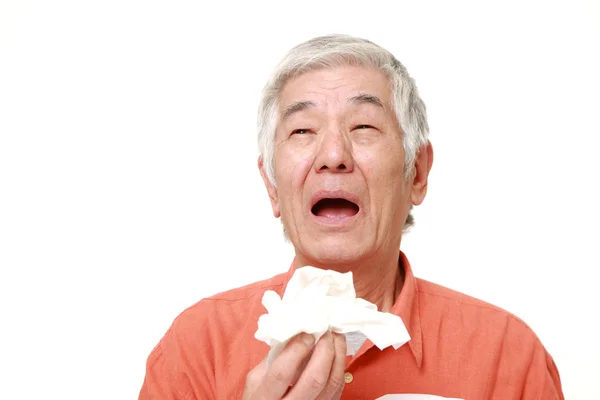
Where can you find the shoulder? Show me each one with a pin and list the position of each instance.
(239, 297)
(467, 312)
(434, 292)
(251, 290)
(200, 335)
(197, 345)
(495, 339)
(226, 310)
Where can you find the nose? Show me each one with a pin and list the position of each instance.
(334, 153)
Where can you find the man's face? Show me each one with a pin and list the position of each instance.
(339, 167)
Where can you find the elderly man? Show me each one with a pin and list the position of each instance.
(344, 155)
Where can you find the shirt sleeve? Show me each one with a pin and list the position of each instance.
(181, 366)
(525, 369)
(543, 380)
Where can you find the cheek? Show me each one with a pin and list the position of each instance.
(384, 175)
(292, 167)
(300, 171)
(293, 164)
(379, 167)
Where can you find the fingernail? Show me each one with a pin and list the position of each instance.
(308, 339)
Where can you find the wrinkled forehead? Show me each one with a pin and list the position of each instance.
(344, 87)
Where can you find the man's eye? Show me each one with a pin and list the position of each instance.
(363, 127)
(300, 131)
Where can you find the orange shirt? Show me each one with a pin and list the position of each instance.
(460, 347)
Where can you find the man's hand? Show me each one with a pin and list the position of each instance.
(322, 378)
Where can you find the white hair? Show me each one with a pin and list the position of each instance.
(340, 50)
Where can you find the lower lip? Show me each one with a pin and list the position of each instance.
(336, 221)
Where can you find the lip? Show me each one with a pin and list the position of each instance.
(334, 194)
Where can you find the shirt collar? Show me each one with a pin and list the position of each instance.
(406, 307)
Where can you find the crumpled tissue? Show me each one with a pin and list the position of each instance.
(317, 300)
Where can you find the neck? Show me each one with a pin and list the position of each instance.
(379, 281)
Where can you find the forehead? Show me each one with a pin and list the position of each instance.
(335, 85)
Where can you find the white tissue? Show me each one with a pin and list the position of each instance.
(316, 301)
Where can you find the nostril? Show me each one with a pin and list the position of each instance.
(341, 167)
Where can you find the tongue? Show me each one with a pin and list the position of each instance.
(335, 208)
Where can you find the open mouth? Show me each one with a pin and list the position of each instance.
(334, 208)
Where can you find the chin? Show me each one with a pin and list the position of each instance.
(335, 252)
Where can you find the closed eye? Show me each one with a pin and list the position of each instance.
(300, 131)
(364, 127)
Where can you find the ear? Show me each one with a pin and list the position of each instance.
(423, 163)
(271, 189)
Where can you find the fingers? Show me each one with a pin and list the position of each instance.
(254, 379)
(335, 384)
(315, 377)
(317, 372)
(338, 393)
(284, 370)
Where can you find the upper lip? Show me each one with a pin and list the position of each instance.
(333, 194)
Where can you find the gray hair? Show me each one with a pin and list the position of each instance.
(340, 50)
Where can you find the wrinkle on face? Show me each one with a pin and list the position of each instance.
(335, 125)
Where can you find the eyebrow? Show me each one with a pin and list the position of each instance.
(296, 107)
(364, 98)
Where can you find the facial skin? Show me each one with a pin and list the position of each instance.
(338, 137)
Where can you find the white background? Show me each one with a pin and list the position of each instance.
(129, 189)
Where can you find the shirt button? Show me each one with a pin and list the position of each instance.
(348, 377)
